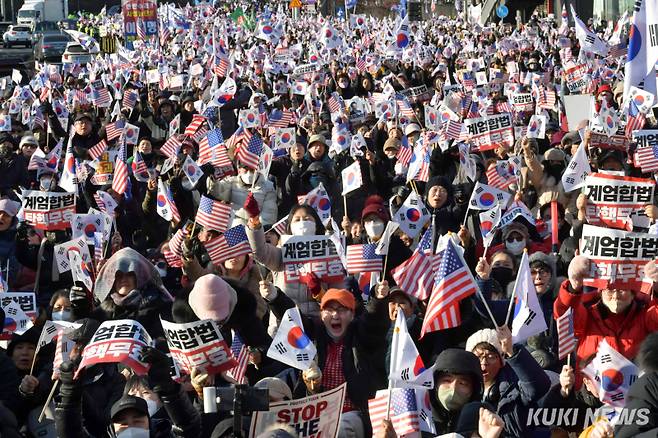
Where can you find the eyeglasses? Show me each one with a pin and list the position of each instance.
(541, 272)
(511, 239)
(340, 310)
(487, 357)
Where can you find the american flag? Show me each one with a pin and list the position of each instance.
(335, 103)
(120, 179)
(453, 283)
(101, 97)
(197, 121)
(404, 107)
(403, 410)
(452, 129)
(361, 64)
(213, 215)
(281, 227)
(362, 258)
(646, 158)
(473, 110)
(176, 241)
(165, 33)
(141, 29)
(635, 120)
(115, 129)
(566, 340)
(249, 155)
(405, 152)
(241, 353)
(139, 165)
(416, 275)
(97, 150)
(499, 176)
(547, 98)
(171, 146)
(233, 243)
(279, 118)
(468, 81)
(240, 136)
(220, 66)
(171, 258)
(129, 99)
(212, 149)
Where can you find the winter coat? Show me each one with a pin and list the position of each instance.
(235, 191)
(14, 174)
(272, 258)
(365, 334)
(593, 323)
(642, 394)
(520, 384)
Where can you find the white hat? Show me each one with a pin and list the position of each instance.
(411, 128)
(487, 335)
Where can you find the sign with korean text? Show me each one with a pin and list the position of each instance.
(139, 13)
(600, 140)
(314, 416)
(617, 255)
(618, 201)
(48, 210)
(646, 138)
(305, 254)
(489, 132)
(523, 102)
(198, 345)
(118, 341)
(576, 78)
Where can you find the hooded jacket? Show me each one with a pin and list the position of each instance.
(643, 394)
(453, 361)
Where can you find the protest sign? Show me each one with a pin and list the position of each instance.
(491, 131)
(646, 138)
(304, 254)
(312, 417)
(576, 78)
(600, 140)
(523, 102)
(198, 345)
(417, 94)
(48, 210)
(26, 300)
(617, 255)
(618, 201)
(578, 108)
(117, 341)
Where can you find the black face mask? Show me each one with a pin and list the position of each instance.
(530, 197)
(502, 275)
(554, 170)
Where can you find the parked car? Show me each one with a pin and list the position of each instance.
(51, 46)
(17, 36)
(76, 54)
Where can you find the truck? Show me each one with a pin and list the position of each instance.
(37, 11)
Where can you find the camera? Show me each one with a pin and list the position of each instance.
(239, 398)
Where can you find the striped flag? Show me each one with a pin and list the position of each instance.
(416, 275)
(249, 155)
(213, 215)
(454, 282)
(362, 258)
(566, 340)
(499, 175)
(241, 353)
(233, 243)
(141, 29)
(138, 166)
(404, 153)
(129, 99)
(453, 129)
(335, 103)
(404, 107)
(504, 107)
(279, 118)
(120, 179)
(195, 124)
(98, 149)
(281, 227)
(646, 158)
(239, 137)
(115, 129)
(213, 150)
(403, 410)
(171, 147)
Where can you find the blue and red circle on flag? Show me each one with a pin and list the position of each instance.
(324, 204)
(486, 227)
(297, 338)
(89, 230)
(413, 214)
(611, 379)
(267, 30)
(610, 123)
(634, 42)
(487, 199)
(251, 117)
(161, 200)
(419, 366)
(285, 137)
(402, 40)
(10, 324)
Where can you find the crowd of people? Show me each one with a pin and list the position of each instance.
(160, 185)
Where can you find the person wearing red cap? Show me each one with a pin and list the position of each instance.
(346, 339)
(604, 93)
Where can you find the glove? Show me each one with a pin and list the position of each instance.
(159, 371)
(312, 282)
(251, 206)
(651, 271)
(578, 269)
(78, 293)
(70, 390)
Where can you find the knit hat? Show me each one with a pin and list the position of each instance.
(375, 205)
(515, 226)
(30, 337)
(212, 298)
(28, 139)
(490, 336)
(392, 143)
(277, 388)
(438, 181)
(10, 207)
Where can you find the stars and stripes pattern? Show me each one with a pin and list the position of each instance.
(241, 353)
(129, 99)
(453, 283)
(213, 215)
(240, 136)
(566, 339)
(404, 107)
(280, 118)
(98, 149)
(499, 176)
(335, 103)
(403, 410)
(213, 150)
(115, 129)
(195, 124)
(249, 155)
(120, 179)
(362, 258)
(416, 275)
(453, 129)
(233, 243)
(171, 147)
(646, 158)
(404, 153)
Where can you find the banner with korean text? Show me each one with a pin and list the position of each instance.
(48, 210)
(305, 254)
(488, 132)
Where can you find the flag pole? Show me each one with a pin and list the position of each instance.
(466, 215)
(45, 405)
(394, 359)
(486, 306)
(511, 301)
(345, 205)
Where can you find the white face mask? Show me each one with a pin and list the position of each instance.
(134, 432)
(400, 169)
(515, 247)
(303, 228)
(62, 315)
(391, 154)
(152, 407)
(44, 184)
(374, 228)
(248, 177)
